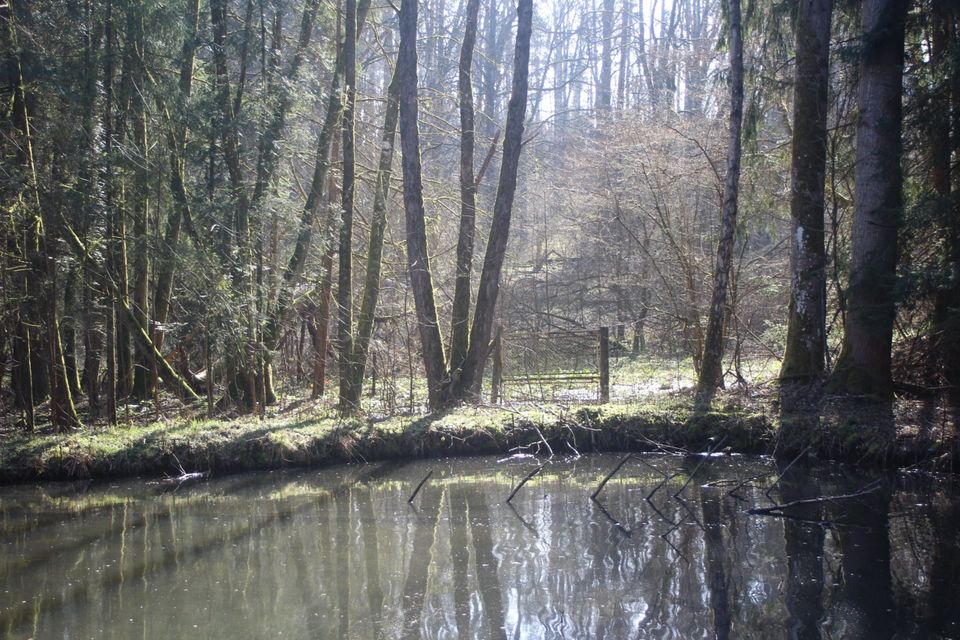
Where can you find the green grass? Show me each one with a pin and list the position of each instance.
(316, 436)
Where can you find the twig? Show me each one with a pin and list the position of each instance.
(526, 524)
(526, 479)
(604, 482)
(544, 440)
(487, 159)
(417, 490)
(664, 448)
(666, 538)
(665, 480)
(616, 523)
(777, 508)
(693, 514)
(183, 472)
(706, 456)
(782, 473)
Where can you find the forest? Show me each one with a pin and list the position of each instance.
(217, 208)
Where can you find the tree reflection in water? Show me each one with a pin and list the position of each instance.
(339, 553)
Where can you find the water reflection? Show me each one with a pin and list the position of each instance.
(339, 553)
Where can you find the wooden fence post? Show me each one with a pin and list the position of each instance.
(496, 387)
(603, 363)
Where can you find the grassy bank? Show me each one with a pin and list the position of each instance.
(304, 434)
(313, 438)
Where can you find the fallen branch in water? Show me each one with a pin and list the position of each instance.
(185, 475)
(526, 479)
(526, 524)
(614, 521)
(703, 461)
(604, 482)
(777, 509)
(419, 486)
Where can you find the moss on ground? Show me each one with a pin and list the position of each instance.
(301, 439)
(306, 435)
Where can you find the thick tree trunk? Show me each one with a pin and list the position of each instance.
(489, 288)
(460, 323)
(418, 259)
(711, 363)
(863, 367)
(803, 360)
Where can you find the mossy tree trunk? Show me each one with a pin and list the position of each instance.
(863, 367)
(345, 252)
(803, 360)
(360, 343)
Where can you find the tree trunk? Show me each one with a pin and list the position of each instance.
(378, 226)
(128, 317)
(803, 360)
(460, 323)
(315, 196)
(804, 357)
(623, 79)
(469, 383)
(176, 144)
(242, 384)
(945, 346)
(418, 259)
(142, 386)
(318, 326)
(711, 363)
(606, 57)
(345, 266)
(863, 367)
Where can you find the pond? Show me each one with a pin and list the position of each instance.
(668, 550)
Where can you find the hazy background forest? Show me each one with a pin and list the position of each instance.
(174, 213)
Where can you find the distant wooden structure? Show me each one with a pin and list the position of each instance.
(543, 359)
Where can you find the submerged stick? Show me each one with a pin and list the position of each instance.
(604, 482)
(526, 524)
(703, 461)
(526, 479)
(419, 486)
(777, 508)
(614, 521)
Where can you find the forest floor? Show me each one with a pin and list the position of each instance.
(305, 433)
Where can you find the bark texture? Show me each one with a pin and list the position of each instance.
(803, 360)
(711, 363)
(863, 367)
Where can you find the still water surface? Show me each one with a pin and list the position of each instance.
(339, 553)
